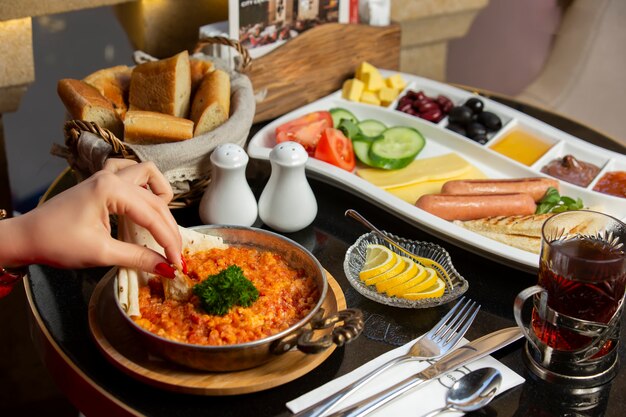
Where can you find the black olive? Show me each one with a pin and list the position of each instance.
(482, 139)
(461, 115)
(457, 128)
(474, 129)
(476, 105)
(489, 120)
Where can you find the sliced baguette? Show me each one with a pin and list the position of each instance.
(211, 104)
(113, 83)
(199, 68)
(147, 128)
(85, 102)
(162, 86)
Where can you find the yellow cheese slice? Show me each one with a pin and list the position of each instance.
(373, 81)
(421, 170)
(370, 98)
(410, 193)
(387, 95)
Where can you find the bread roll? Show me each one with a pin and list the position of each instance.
(162, 86)
(199, 68)
(113, 83)
(147, 128)
(85, 102)
(211, 104)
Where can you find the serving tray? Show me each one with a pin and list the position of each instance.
(439, 141)
(123, 348)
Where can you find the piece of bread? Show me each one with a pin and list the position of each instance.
(199, 68)
(162, 86)
(523, 232)
(85, 102)
(211, 104)
(113, 83)
(147, 128)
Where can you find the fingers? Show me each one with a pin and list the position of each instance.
(133, 256)
(142, 174)
(149, 211)
(116, 164)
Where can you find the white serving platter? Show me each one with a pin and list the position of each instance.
(439, 141)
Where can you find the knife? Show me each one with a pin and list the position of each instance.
(465, 354)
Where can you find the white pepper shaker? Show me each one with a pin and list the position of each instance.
(287, 203)
(228, 199)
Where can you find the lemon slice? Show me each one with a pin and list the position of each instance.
(420, 275)
(380, 264)
(373, 251)
(433, 291)
(428, 281)
(387, 272)
(409, 271)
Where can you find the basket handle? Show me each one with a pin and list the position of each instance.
(73, 129)
(246, 61)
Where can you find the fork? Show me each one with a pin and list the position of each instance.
(443, 337)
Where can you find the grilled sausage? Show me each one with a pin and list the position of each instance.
(536, 187)
(471, 207)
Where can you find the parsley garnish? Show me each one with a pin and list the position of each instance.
(553, 202)
(219, 292)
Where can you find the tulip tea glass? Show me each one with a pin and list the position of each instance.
(577, 304)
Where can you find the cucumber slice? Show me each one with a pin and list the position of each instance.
(338, 114)
(349, 128)
(398, 147)
(371, 127)
(361, 150)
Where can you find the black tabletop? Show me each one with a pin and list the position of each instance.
(61, 298)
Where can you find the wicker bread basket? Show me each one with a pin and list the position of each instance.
(185, 164)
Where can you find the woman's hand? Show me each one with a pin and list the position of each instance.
(72, 229)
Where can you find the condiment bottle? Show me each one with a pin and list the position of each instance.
(228, 199)
(287, 203)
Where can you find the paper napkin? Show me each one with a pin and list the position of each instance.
(416, 402)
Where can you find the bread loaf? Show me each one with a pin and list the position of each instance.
(113, 83)
(85, 102)
(199, 68)
(211, 103)
(162, 86)
(146, 127)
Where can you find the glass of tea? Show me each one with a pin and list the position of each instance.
(574, 327)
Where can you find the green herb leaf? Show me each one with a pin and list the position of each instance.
(553, 202)
(219, 292)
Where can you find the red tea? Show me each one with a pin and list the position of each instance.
(585, 278)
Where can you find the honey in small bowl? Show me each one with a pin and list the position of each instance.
(522, 146)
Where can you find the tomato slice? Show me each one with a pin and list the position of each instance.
(306, 130)
(334, 148)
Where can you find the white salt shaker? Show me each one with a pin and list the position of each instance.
(228, 198)
(287, 203)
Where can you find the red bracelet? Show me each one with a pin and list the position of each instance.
(9, 277)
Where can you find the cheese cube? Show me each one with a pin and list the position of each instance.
(363, 69)
(352, 89)
(387, 95)
(373, 81)
(370, 97)
(396, 81)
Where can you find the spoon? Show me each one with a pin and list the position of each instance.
(473, 391)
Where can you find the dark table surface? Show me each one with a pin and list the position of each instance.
(59, 299)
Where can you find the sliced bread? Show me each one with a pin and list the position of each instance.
(113, 83)
(147, 128)
(199, 68)
(162, 86)
(85, 102)
(211, 103)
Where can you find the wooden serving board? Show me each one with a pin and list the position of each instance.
(123, 348)
(317, 62)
